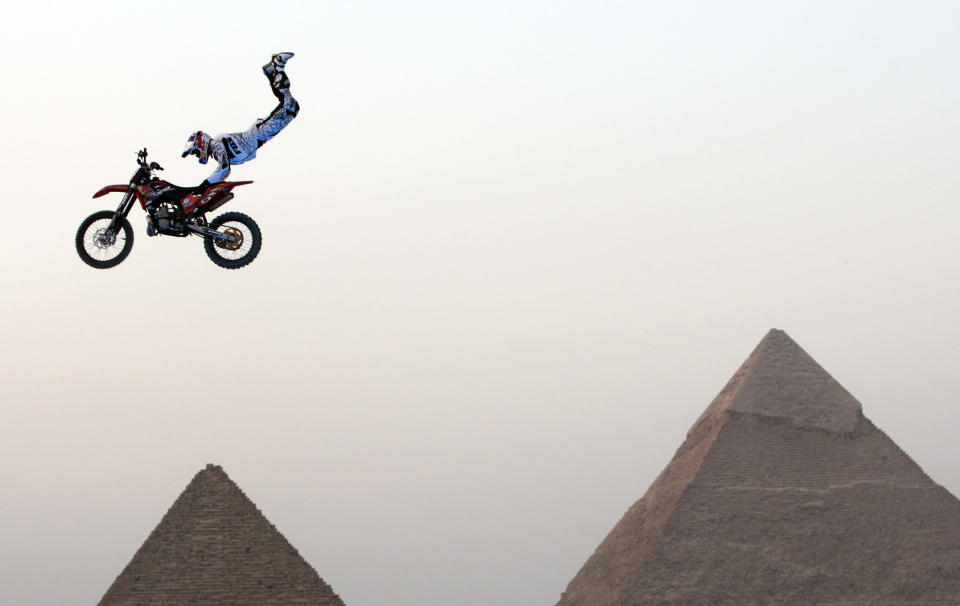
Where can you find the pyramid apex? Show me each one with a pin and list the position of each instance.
(781, 380)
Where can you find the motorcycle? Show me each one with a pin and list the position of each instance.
(231, 240)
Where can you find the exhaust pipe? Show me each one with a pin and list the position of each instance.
(215, 205)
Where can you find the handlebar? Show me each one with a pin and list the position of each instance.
(142, 160)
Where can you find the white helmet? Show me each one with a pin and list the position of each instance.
(199, 145)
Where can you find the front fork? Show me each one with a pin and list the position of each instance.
(123, 209)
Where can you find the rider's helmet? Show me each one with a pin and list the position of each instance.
(199, 145)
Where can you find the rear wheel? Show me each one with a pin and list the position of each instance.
(244, 248)
(101, 246)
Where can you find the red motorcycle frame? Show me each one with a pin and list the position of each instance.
(231, 240)
(212, 198)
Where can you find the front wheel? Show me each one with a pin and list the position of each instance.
(100, 245)
(245, 245)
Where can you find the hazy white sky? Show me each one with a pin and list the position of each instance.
(511, 251)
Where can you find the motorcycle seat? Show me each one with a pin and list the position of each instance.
(177, 193)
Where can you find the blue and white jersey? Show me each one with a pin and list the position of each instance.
(232, 148)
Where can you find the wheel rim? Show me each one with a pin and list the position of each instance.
(239, 248)
(102, 243)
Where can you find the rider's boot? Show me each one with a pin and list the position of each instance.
(276, 64)
(279, 82)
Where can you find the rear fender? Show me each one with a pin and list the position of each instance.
(122, 189)
(214, 196)
(225, 186)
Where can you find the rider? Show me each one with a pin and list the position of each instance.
(237, 148)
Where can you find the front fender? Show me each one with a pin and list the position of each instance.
(111, 188)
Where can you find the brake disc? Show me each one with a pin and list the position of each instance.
(104, 238)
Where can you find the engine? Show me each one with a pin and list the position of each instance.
(169, 217)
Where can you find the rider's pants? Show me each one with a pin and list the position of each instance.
(282, 115)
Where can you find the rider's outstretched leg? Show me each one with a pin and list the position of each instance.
(287, 109)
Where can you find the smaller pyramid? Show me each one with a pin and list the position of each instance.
(215, 547)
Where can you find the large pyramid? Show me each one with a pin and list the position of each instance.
(214, 547)
(782, 493)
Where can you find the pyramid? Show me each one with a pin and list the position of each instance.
(782, 493)
(214, 547)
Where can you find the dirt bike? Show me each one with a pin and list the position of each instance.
(231, 240)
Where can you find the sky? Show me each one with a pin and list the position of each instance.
(511, 251)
